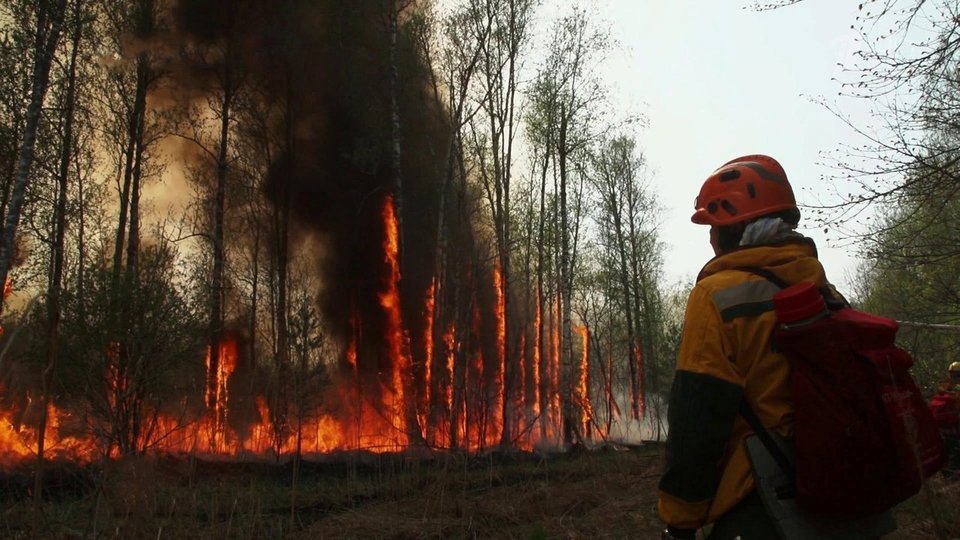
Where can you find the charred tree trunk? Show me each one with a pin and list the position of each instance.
(282, 257)
(56, 270)
(134, 153)
(541, 255)
(566, 285)
(216, 321)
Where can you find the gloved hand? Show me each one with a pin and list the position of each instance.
(671, 533)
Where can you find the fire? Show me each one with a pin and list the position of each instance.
(396, 337)
(449, 340)
(218, 395)
(18, 441)
(352, 347)
(424, 402)
(477, 432)
(553, 412)
(642, 405)
(375, 397)
(499, 420)
(519, 405)
(535, 371)
(583, 380)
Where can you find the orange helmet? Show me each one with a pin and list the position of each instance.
(954, 368)
(742, 189)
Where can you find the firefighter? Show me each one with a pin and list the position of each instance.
(725, 357)
(953, 377)
(945, 408)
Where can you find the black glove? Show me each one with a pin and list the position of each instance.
(671, 533)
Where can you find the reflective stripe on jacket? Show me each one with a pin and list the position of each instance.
(725, 355)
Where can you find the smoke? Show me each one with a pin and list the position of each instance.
(320, 72)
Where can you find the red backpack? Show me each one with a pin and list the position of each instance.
(864, 437)
(945, 408)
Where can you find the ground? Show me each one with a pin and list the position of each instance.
(606, 493)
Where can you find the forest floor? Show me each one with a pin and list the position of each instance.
(608, 493)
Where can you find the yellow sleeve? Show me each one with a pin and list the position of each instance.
(704, 400)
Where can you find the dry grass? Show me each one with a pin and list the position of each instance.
(605, 494)
(934, 512)
(599, 494)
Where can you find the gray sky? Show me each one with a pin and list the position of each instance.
(716, 81)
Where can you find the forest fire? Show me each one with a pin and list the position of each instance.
(355, 278)
(384, 401)
(394, 402)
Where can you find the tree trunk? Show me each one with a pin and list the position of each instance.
(216, 321)
(134, 142)
(542, 390)
(641, 317)
(56, 270)
(45, 43)
(565, 283)
(628, 303)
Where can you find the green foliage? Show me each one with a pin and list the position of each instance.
(911, 272)
(131, 349)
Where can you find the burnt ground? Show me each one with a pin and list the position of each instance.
(605, 493)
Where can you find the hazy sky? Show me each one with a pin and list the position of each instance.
(716, 81)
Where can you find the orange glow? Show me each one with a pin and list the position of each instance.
(219, 395)
(477, 407)
(7, 289)
(394, 398)
(501, 348)
(583, 381)
(519, 406)
(642, 405)
(535, 368)
(18, 441)
(352, 348)
(554, 412)
(449, 341)
(370, 402)
(424, 404)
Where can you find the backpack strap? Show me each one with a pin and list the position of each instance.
(766, 274)
(747, 412)
(831, 295)
(783, 492)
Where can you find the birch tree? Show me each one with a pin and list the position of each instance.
(76, 27)
(45, 18)
(492, 137)
(627, 220)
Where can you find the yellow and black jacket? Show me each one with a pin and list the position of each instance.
(725, 356)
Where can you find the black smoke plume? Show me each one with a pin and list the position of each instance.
(325, 66)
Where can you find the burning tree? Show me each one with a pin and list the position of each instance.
(361, 266)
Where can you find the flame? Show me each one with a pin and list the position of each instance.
(449, 340)
(583, 381)
(499, 420)
(116, 378)
(424, 405)
(374, 411)
(394, 398)
(219, 395)
(642, 398)
(351, 353)
(18, 441)
(477, 431)
(519, 405)
(535, 371)
(554, 405)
